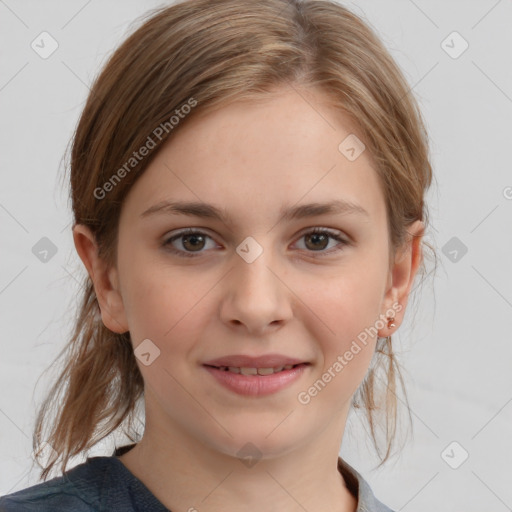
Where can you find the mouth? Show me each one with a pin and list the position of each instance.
(261, 371)
(257, 381)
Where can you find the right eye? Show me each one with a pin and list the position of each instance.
(192, 241)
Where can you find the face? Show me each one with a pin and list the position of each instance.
(257, 281)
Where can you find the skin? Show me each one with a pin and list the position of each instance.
(251, 158)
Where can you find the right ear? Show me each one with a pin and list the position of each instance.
(105, 280)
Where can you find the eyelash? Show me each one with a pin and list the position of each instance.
(314, 231)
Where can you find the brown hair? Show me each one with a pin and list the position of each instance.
(214, 53)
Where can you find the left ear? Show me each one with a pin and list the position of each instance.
(401, 277)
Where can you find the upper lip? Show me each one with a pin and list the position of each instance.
(244, 361)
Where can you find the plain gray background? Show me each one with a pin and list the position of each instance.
(455, 344)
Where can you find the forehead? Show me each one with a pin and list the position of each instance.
(255, 156)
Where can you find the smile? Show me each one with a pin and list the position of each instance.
(252, 381)
(255, 371)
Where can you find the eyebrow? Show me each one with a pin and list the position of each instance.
(209, 211)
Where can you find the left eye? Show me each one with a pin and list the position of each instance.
(317, 240)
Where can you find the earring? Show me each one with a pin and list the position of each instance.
(392, 324)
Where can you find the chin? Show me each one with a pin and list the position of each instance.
(249, 446)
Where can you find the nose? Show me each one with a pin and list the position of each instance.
(256, 299)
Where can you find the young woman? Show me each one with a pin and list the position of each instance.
(248, 183)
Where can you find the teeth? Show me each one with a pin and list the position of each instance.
(249, 371)
(256, 371)
(265, 371)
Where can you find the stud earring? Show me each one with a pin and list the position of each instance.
(392, 324)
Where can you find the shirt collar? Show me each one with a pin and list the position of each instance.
(358, 486)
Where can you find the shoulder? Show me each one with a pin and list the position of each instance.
(79, 489)
(100, 484)
(366, 500)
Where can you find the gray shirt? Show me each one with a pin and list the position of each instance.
(105, 484)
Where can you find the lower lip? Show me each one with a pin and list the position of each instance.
(257, 385)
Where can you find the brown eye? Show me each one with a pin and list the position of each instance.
(187, 243)
(193, 242)
(318, 239)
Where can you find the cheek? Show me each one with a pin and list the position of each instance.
(156, 295)
(347, 347)
(346, 303)
(345, 322)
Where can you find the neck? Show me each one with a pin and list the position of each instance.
(184, 475)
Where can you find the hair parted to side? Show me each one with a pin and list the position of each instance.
(214, 53)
